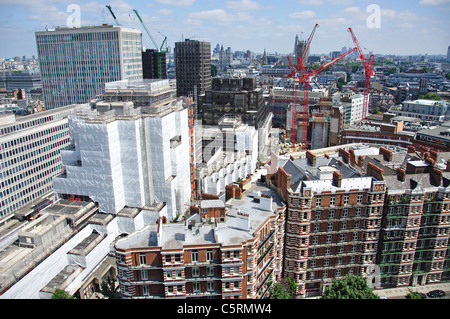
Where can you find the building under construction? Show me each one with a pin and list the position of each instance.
(233, 96)
(154, 65)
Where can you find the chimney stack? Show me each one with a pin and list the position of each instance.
(401, 174)
(337, 179)
(311, 158)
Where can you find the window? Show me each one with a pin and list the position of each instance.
(177, 258)
(195, 271)
(145, 290)
(194, 255)
(360, 198)
(330, 226)
(346, 199)
(196, 286)
(144, 275)
(318, 215)
(345, 212)
(318, 201)
(142, 259)
(329, 237)
(168, 259)
(210, 286)
(209, 255)
(355, 236)
(210, 271)
(333, 200)
(331, 214)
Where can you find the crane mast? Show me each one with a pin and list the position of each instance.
(368, 66)
(113, 15)
(295, 78)
(145, 27)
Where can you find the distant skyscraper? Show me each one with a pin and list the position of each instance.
(75, 63)
(193, 66)
(448, 54)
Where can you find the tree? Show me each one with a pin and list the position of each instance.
(431, 96)
(351, 287)
(278, 291)
(413, 295)
(61, 294)
(213, 70)
(108, 288)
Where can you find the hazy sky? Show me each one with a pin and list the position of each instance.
(403, 27)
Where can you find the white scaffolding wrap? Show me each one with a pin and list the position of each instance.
(134, 160)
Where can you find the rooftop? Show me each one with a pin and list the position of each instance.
(243, 217)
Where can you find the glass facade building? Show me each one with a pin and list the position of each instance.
(75, 63)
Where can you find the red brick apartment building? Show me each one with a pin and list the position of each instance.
(352, 214)
(227, 251)
(333, 220)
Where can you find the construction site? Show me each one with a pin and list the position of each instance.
(308, 119)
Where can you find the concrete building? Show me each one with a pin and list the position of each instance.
(25, 79)
(426, 110)
(30, 156)
(229, 153)
(126, 156)
(232, 251)
(193, 67)
(75, 63)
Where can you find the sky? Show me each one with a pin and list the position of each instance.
(400, 27)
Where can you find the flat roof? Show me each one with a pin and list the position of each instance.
(243, 217)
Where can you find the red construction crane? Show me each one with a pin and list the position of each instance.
(368, 65)
(304, 78)
(295, 77)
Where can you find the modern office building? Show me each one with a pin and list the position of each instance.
(231, 250)
(30, 155)
(426, 110)
(25, 79)
(75, 63)
(193, 67)
(126, 156)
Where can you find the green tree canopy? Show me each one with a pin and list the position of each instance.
(61, 294)
(431, 96)
(351, 287)
(278, 291)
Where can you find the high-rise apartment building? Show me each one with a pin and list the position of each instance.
(224, 251)
(75, 63)
(30, 155)
(193, 67)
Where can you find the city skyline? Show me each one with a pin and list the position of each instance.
(400, 28)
